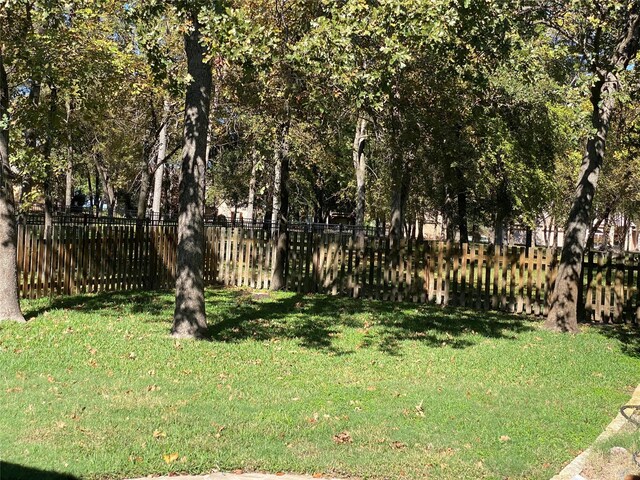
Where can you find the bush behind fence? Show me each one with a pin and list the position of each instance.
(96, 258)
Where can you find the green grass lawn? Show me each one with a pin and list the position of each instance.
(94, 386)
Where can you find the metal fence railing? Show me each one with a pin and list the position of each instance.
(85, 219)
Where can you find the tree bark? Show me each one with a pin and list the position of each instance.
(9, 300)
(159, 173)
(97, 195)
(48, 147)
(499, 230)
(252, 185)
(278, 280)
(563, 314)
(399, 170)
(462, 217)
(421, 227)
(606, 232)
(68, 181)
(400, 184)
(277, 188)
(101, 169)
(145, 186)
(189, 319)
(360, 166)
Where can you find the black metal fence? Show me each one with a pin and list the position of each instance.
(80, 219)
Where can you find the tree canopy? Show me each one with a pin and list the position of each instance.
(472, 115)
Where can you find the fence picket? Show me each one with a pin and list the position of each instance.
(104, 257)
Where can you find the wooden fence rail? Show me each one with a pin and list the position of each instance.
(99, 258)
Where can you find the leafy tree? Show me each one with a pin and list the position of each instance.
(9, 304)
(606, 35)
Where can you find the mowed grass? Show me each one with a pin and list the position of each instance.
(95, 387)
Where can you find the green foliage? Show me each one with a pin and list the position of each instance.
(486, 100)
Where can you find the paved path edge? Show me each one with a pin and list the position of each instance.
(577, 464)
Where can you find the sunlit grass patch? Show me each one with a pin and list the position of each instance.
(94, 386)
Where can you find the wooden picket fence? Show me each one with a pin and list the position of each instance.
(101, 258)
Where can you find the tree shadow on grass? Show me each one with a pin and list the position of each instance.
(314, 321)
(13, 471)
(627, 335)
(152, 303)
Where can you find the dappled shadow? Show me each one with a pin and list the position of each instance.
(314, 321)
(112, 303)
(13, 471)
(627, 335)
(317, 321)
(270, 320)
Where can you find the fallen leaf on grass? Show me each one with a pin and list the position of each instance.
(220, 428)
(135, 459)
(398, 445)
(505, 438)
(170, 457)
(419, 409)
(159, 434)
(343, 437)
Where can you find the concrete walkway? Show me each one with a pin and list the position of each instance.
(573, 470)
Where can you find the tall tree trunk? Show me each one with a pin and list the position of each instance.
(397, 213)
(400, 183)
(462, 217)
(9, 300)
(563, 314)
(143, 196)
(277, 187)
(502, 212)
(360, 166)
(189, 318)
(278, 280)
(400, 175)
(91, 197)
(48, 146)
(252, 185)
(68, 181)
(499, 230)
(158, 176)
(606, 232)
(108, 186)
(96, 195)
